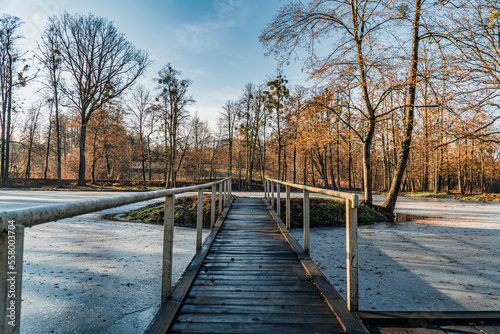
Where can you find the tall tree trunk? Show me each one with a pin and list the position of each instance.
(295, 165)
(58, 138)
(304, 177)
(230, 167)
(459, 173)
(367, 163)
(483, 171)
(47, 152)
(339, 187)
(5, 179)
(81, 166)
(332, 173)
(390, 202)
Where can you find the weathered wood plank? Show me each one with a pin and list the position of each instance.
(270, 309)
(489, 328)
(199, 327)
(459, 329)
(252, 288)
(274, 282)
(221, 301)
(257, 317)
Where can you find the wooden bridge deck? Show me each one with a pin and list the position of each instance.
(248, 279)
(252, 282)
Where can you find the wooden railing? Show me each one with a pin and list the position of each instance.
(13, 223)
(272, 191)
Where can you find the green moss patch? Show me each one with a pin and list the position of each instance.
(184, 212)
(329, 213)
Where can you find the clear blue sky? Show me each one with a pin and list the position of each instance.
(213, 42)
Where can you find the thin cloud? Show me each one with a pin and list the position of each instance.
(209, 35)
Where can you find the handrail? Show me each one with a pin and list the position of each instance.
(352, 204)
(13, 223)
(334, 193)
(38, 215)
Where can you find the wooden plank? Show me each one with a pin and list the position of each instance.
(255, 294)
(387, 330)
(270, 309)
(253, 288)
(281, 282)
(459, 329)
(426, 329)
(221, 301)
(256, 317)
(489, 328)
(199, 327)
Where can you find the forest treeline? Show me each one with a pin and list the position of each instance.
(403, 96)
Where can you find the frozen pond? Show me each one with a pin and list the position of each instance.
(89, 275)
(450, 263)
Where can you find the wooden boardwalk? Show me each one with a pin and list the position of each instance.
(251, 281)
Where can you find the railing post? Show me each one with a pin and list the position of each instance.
(265, 188)
(306, 222)
(199, 220)
(288, 208)
(352, 255)
(278, 199)
(230, 182)
(272, 194)
(168, 248)
(212, 208)
(225, 193)
(11, 276)
(220, 198)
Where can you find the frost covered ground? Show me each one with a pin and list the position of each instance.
(89, 275)
(450, 263)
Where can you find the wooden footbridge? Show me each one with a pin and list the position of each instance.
(255, 279)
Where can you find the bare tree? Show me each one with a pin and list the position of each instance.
(276, 96)
(31, 127)
(9, 56)
(228, 117)
(49, 55)
(140, 106)
(173, 100)
(100, 63)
